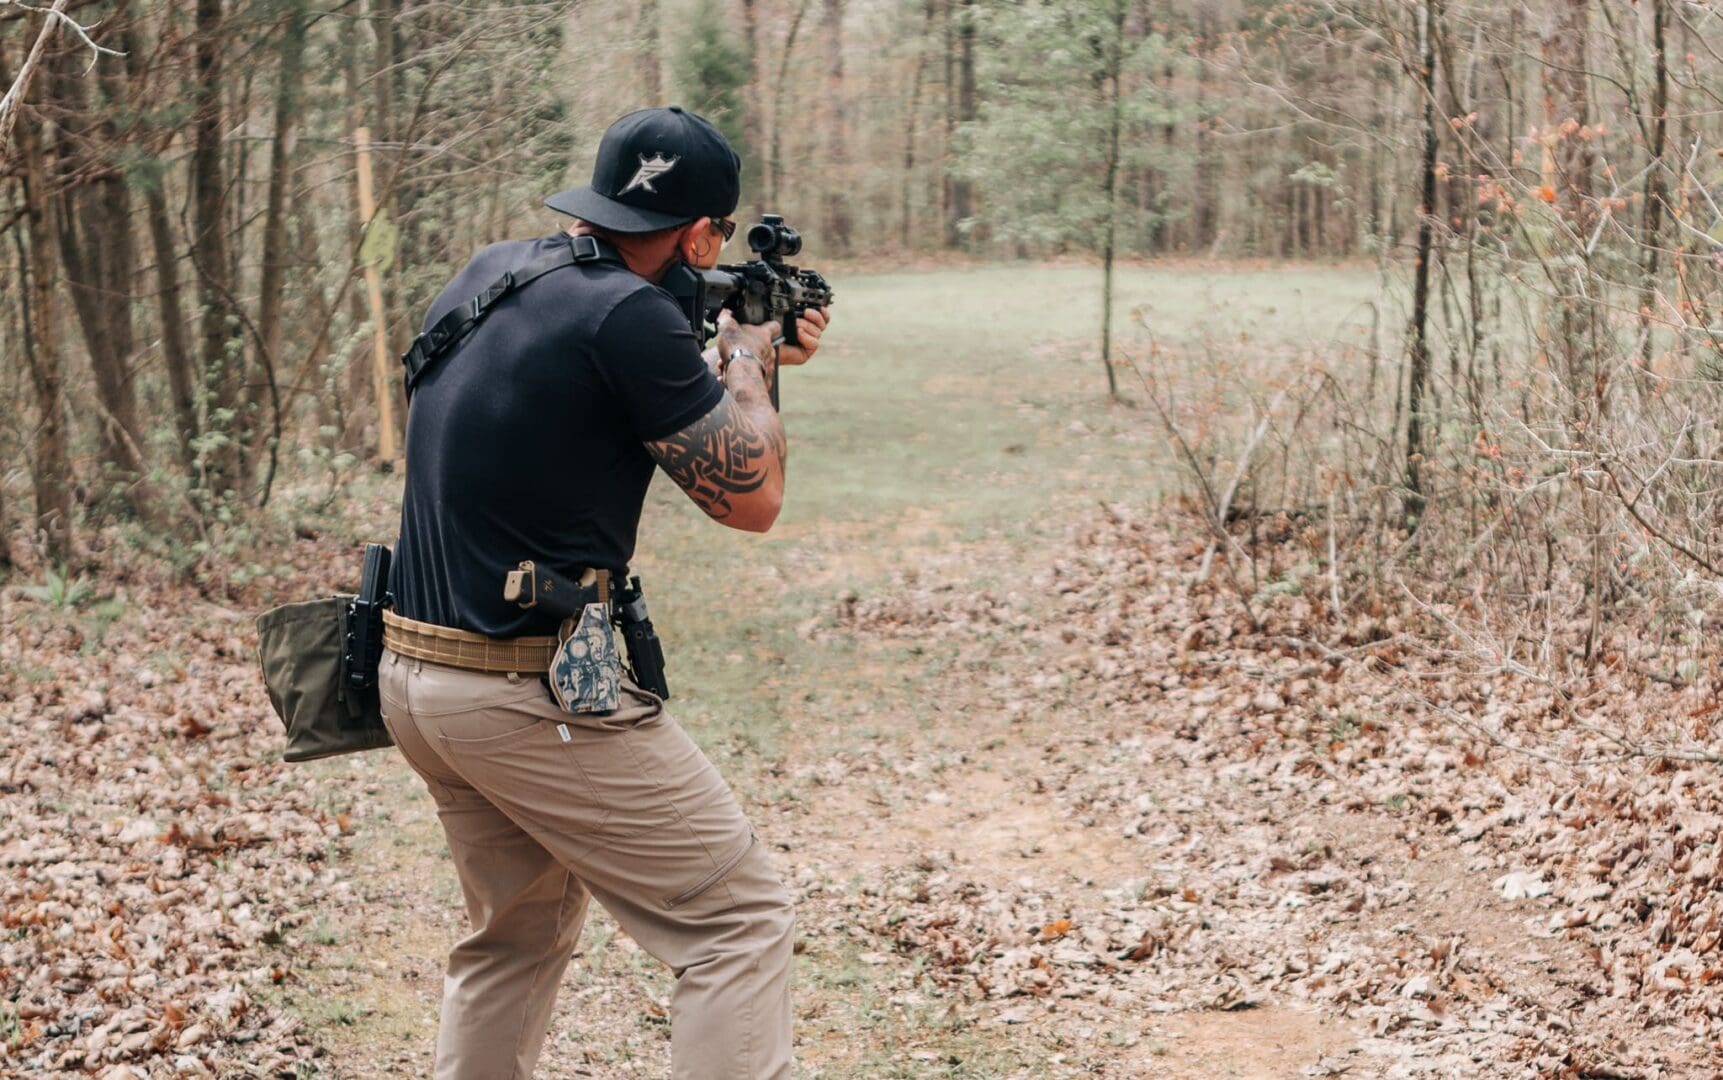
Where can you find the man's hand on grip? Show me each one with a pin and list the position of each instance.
(809, 326)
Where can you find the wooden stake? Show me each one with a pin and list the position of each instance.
(374, 289)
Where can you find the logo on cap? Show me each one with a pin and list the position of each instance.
(651, 168)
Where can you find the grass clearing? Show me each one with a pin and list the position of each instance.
(948, 412)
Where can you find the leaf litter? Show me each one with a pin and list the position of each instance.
(1241, 820)
(161, 863)
(1298, 827)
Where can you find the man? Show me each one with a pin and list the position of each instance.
(535, 439)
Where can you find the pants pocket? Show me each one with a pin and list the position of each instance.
(722, 871)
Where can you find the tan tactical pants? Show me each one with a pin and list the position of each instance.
(542, 809)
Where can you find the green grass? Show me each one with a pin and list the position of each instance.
(958, 406)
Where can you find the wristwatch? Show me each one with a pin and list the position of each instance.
(740, 350)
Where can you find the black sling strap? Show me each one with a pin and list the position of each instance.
(441, 339)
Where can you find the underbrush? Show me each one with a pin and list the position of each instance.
(250, 559)
(1555, 538)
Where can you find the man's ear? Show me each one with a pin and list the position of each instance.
(693, 234)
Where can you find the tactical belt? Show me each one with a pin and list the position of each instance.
(465, 649)
(529, 586)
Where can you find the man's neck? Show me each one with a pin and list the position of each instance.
(651, 261)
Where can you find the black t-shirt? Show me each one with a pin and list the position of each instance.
(525, 441)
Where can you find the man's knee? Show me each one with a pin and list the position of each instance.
(763, 902)
(776, 912)
(779, 920)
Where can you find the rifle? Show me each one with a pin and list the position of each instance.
(766, 289)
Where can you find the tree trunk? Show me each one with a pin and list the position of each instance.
(1206, 198)
(11, 330)
(1567, 101)
(948, 152)
(1115, 72)
(395, 62)
(1567, 97)
(330, 404)
(221, 355)
(1420, 358)
(1162, 231)
(93, 229)
(775, 162)
(260, 397)
(753, 103)
(52, 473)
(95, 235)
(651, 65)
(908, 218)
(175, 352)
(838, 221)
(962, 190)
(1656, 184)
(356, 396)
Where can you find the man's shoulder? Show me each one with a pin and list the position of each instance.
(584, 295)
(595, 290)
(638, 302)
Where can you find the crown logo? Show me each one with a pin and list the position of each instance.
(651, 168)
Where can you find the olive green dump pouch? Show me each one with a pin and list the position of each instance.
(301, 647)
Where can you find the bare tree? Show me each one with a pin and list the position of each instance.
(221, 354)
(93, 224)
(838, 219)
(1114, 89)
(264, 393)
(1419, 374)
(42, 355)
(650, 56)
(960, 109)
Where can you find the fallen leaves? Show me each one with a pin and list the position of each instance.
(1055, 930)
(157, 857)
(1150, 671)
(1522, 885)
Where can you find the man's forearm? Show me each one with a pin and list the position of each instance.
(746, 382)
(731, 461)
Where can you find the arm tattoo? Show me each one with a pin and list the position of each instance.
(722, 454)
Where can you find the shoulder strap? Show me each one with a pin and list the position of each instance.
(450, 330)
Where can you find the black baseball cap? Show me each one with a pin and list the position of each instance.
(657, 168)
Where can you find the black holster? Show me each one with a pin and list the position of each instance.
(362, 626)
(645, 651)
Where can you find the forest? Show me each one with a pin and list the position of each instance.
(231, 218)
(1278, 437)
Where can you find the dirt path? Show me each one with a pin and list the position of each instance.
(1017, 875)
